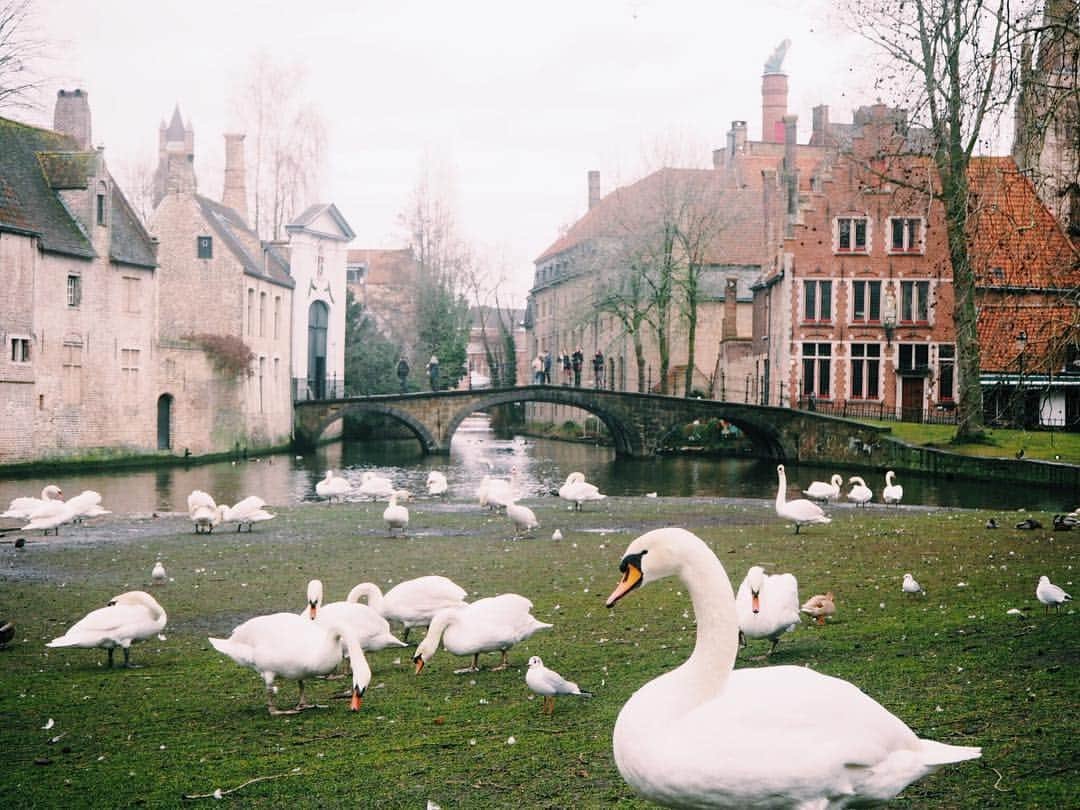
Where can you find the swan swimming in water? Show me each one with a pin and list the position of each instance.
(703, 735)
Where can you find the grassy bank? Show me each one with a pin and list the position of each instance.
(953, 665)
(1000, 442)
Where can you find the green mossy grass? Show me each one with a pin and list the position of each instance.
(952, 664)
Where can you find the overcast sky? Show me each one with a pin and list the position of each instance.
(519, 100)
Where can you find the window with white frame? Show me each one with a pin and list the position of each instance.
(913, 357)
(817, 301)
(865, 370)
(915, 302)
(946, 354)
(74, 290)
(204, 247)
(816, 367)
(906, 235)
(852, 235)
(866, 302)
(129, 369)
(20, 350)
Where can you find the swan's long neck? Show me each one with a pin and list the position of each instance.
(371, 591)
(443, 619)
(706, 671)
(781, 491)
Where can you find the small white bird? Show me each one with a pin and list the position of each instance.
(893, 493)
(556, 535)
(523, 518)
(911, 586)
(158, 574)
(436, 483)
(395, 515)
(1050, 594)
(549, 684)
(860, 494)
(332, 486)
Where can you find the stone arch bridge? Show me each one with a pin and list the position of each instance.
(637, 422)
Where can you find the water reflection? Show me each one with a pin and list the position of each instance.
(537, 466)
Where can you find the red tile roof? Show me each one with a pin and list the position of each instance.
(396, 267)
(1046, 327)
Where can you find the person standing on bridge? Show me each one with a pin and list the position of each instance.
(433, 372)
(402, 373)
(567, 370)
(538, 370)
(598, 369)
(547, 367)
(576, 360)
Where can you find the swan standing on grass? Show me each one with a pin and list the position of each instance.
(413, 602)
(703, 735)
(494, 624)
(767, 606)
(893, 493)
(801, 511)
(289, 646)
(375, 486)
(1050, 594)
(395, 515)
(821, 491)
(24, 508)
(436, 483)
(130, 617)
(494, 493)
(86, 504)
(549, 684)
(820, 606)
(332, 486)
(51, 515)
(577, 490)
(203, 512)
(523, 518)
(247, 512)
(860, 494)
(372, 629)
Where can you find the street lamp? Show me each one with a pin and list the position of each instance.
(1021, 345)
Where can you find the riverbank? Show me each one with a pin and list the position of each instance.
(954, 665)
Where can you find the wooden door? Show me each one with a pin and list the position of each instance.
(911, 399)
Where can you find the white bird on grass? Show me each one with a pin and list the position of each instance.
(375, 486)
(577, 490)
(24, 508)
(1050, 594)
(893, 493)
(494, 493)
(158, 575)
(436, 483)
(767, 606)
(332, 486)
(860, 494)
(549, 684)
(910, 586)
(395, 515)
(203, 512)
(556, 535)
(130, 617)
(51, 515)
(523, 518)
(703, 735)
(413, 602)
(247, 512)
(86, 504)
(800, 511)
(371, 628)
(820, 606)
(822, 491)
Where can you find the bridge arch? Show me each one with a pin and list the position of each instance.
(427, 439)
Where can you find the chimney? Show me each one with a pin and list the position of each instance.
(594, 188)
(730, 327)
(821, 125)
(72, 116)
(738, 131)
(234, 194)
(774, 92)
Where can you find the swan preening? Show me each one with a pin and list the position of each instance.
(332, 486)
(892, 493)
(375, 486)
(1050, 594)
(436, 483)
(248, 512)
(549, 684)
(86, 504)
(820, 606)
(295, 648)
(801, 512)
(395, 515)
(703, 735)
(577, 490)
(494, 624)
(859, 494)
(202, 510)
(129, 617)
(24, 508)
(822, 491)
(413, 602)
(494, 493)
(523, 518)
(767, 606)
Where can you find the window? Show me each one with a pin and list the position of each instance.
(355, 273)
(251, 311)
(132, 299)
(129, 369)
(20, 350)
(906, 235)
(946, 353)
(852, 235)
(74, 290)
(914, 356)
(914, 302)
(262, 314)
(277, 317)
(100, 209)
(816, 364)
(71, 379)
(204, 246)
(865, 370)
(817, 301)
(866, 302)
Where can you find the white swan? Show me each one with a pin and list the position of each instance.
(289, 646)
(157, 574)
(375, 486)
(893, 493)
(859, 494)
(413, 602)
(332, 486)
(203, 512)
(781, 737)
(436, 483)
(371, 628)
(523, 518)
(494, 493)
(129, 617)
(51, 515)
(819, 606)
(248, 512)
(395, 515)
(496, 623)
(1050, 594)
(24, 508)
(87, 504)
(822, 491)
(800, 511)
(577, 490)
(767, 606)
(549, 684)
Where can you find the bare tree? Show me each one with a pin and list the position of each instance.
(19, 49)
(954, 63)
(136, 177)
(286, 139)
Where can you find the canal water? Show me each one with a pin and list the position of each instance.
(537, 466)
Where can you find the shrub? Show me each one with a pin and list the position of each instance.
(229, 354)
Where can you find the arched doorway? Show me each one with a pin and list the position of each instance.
(164, 422)
(318, 320)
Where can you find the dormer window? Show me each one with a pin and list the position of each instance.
(852, 235)
(205, 247)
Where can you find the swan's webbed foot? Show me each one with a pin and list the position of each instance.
(502, 664)
(466, 670)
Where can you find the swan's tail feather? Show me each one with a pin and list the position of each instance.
(936, 753)
(240, 653)
(64, 641)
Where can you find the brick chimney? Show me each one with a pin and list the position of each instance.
(234, 194)
(774, 93)
(594, 188)
(820, 125)
(730, 328)
(72, 116)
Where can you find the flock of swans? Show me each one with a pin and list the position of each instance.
(692, 737)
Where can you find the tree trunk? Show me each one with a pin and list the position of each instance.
(639, 355)
(691, 337)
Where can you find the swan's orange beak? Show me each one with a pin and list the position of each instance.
(755, 603)
(419, 661)
(313, 606)
(631, 579)
(356, 702)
